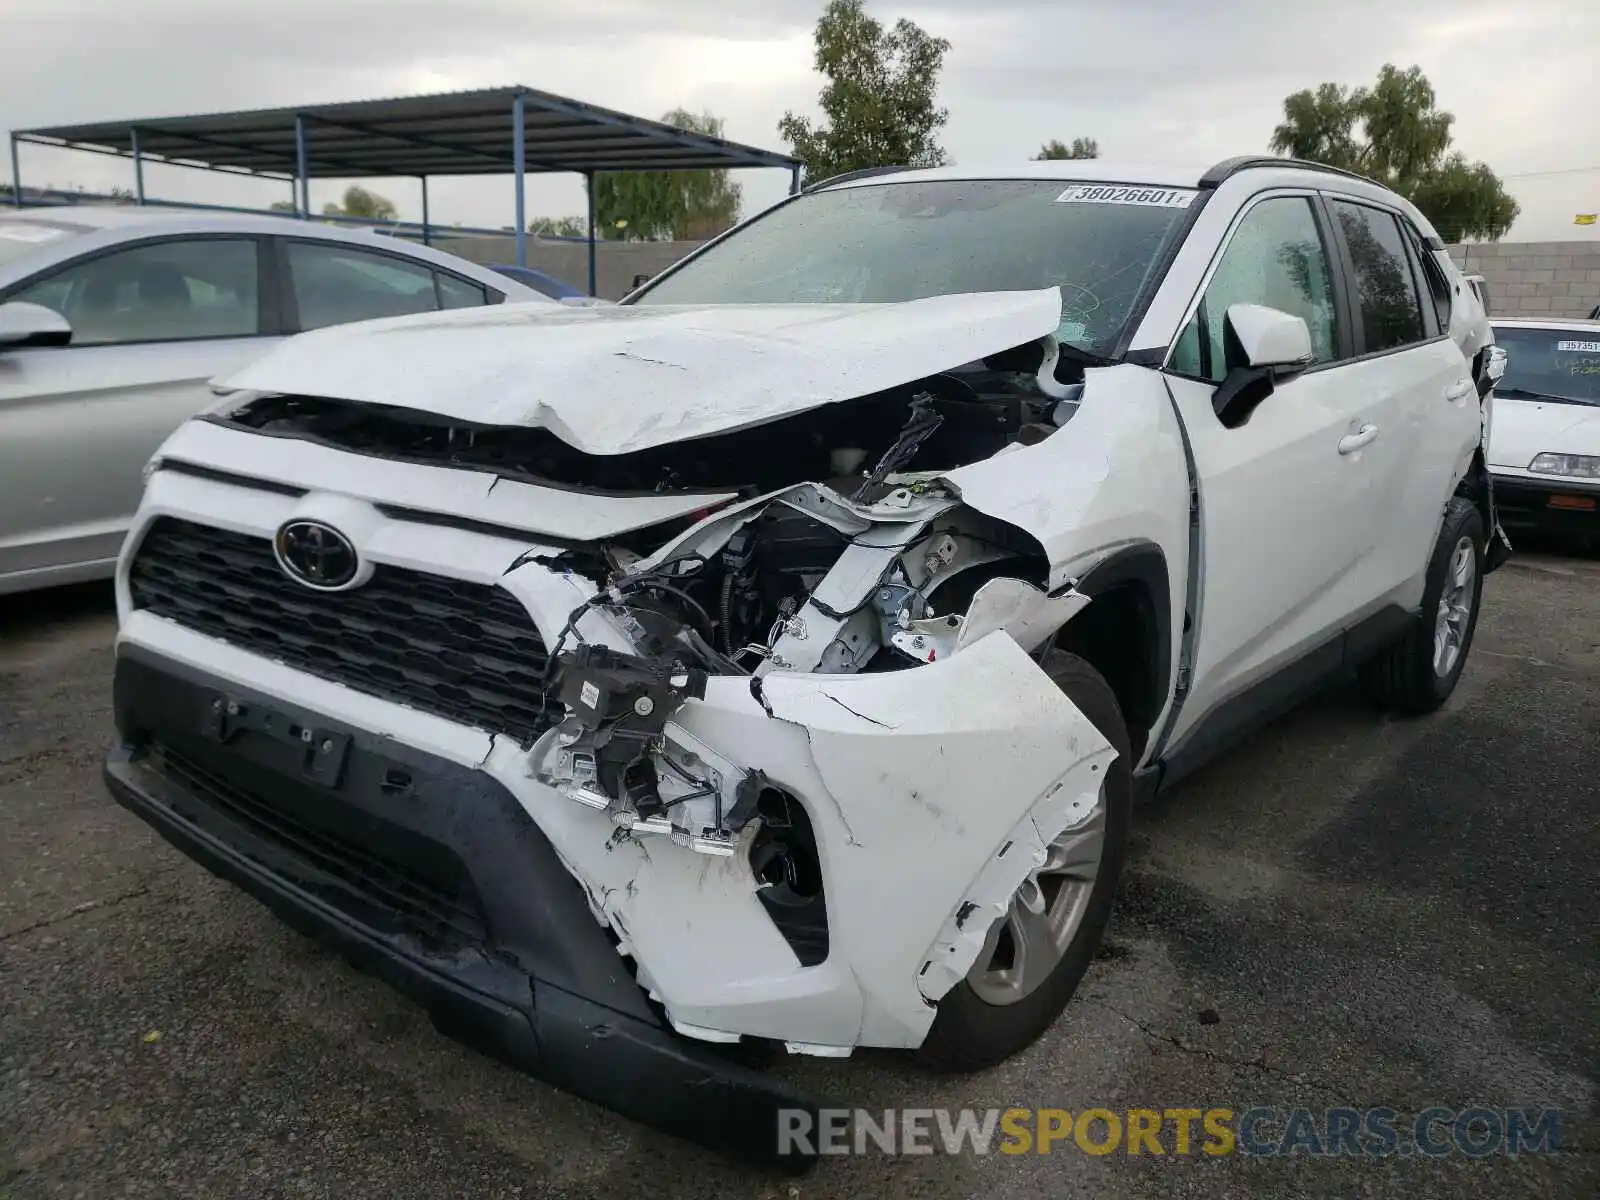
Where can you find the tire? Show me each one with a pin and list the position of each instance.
(1406, 677)
(970, 1032)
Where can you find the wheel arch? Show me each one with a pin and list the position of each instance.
(1126, 634)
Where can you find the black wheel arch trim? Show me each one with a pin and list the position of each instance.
(1145, 565)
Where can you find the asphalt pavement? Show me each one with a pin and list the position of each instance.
(1348, 911)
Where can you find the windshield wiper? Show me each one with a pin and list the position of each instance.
(1518, 393)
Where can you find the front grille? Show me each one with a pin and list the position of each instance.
(428, 892)
(465, 651)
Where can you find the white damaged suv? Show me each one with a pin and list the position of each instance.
(776, 656)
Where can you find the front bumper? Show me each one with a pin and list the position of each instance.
(1547, 504)
(430, 876)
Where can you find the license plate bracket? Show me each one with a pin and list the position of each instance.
(322, 752)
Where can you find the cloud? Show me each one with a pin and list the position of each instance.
(1150, 79)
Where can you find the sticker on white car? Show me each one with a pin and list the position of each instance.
(1109, 194)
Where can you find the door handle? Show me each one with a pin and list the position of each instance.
(1459, 391)
(1351, 442)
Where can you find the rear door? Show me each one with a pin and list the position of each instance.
(153, 322)
(1292, 501)
(332, 283)
(1413, 382)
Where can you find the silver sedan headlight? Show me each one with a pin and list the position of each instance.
(1576, 466)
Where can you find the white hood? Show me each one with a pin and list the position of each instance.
(1525, 428)
(610, 380)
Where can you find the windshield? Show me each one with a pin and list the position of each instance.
(21, 237)
(1551, 364)
(1097, 243)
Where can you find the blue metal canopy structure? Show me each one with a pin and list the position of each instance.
(508, 130)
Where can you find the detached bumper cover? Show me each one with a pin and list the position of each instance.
(432, 877)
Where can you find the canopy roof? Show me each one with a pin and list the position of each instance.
(453, 133)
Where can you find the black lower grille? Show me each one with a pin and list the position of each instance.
(427, 892)
(465, 651)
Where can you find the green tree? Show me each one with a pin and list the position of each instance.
(878, 103)
(559, 226)
(650, 205)
(1395, 134)
(287, 206)
(1080, 148)
(358, 202)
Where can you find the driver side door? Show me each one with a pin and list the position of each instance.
(1289, 507)
(152, 322)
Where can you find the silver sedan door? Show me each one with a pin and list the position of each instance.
(152, 323)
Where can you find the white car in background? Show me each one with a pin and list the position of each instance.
(112, 322)
(1544, 450)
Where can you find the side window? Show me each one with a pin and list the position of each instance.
(336, 284)
(1276, 258)
(156, 292)
(1434, 278)
(1389, 308)
(458, 293)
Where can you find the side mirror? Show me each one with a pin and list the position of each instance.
(23, 324)
(1494, 370)
(1262, 347)
(639, 281)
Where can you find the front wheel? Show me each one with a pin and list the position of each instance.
(1417, 673)
(1037, 954)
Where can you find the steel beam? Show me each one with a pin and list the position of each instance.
(518, 165)
(138, 166)
(167, 160)
(426, 237)
(16, 174)
(588, 182)
(300, 167)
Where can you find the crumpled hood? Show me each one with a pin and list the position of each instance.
(1525, 428)
(615, 379)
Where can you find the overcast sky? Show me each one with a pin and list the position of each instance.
(1150, 79)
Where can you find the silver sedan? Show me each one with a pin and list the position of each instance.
(112, 322)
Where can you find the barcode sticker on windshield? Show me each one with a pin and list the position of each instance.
(1578, 347)
(28, 233)
(1099, 193)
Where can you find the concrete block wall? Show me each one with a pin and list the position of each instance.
(1535, 279)
(616, 263)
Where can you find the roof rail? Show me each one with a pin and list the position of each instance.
(863, 173)
(1229, 167)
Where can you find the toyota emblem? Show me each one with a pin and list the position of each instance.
(316, 555)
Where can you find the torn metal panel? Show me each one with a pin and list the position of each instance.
(1115, 475)
(612, 380)
(1026, 613)
(933, 769)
